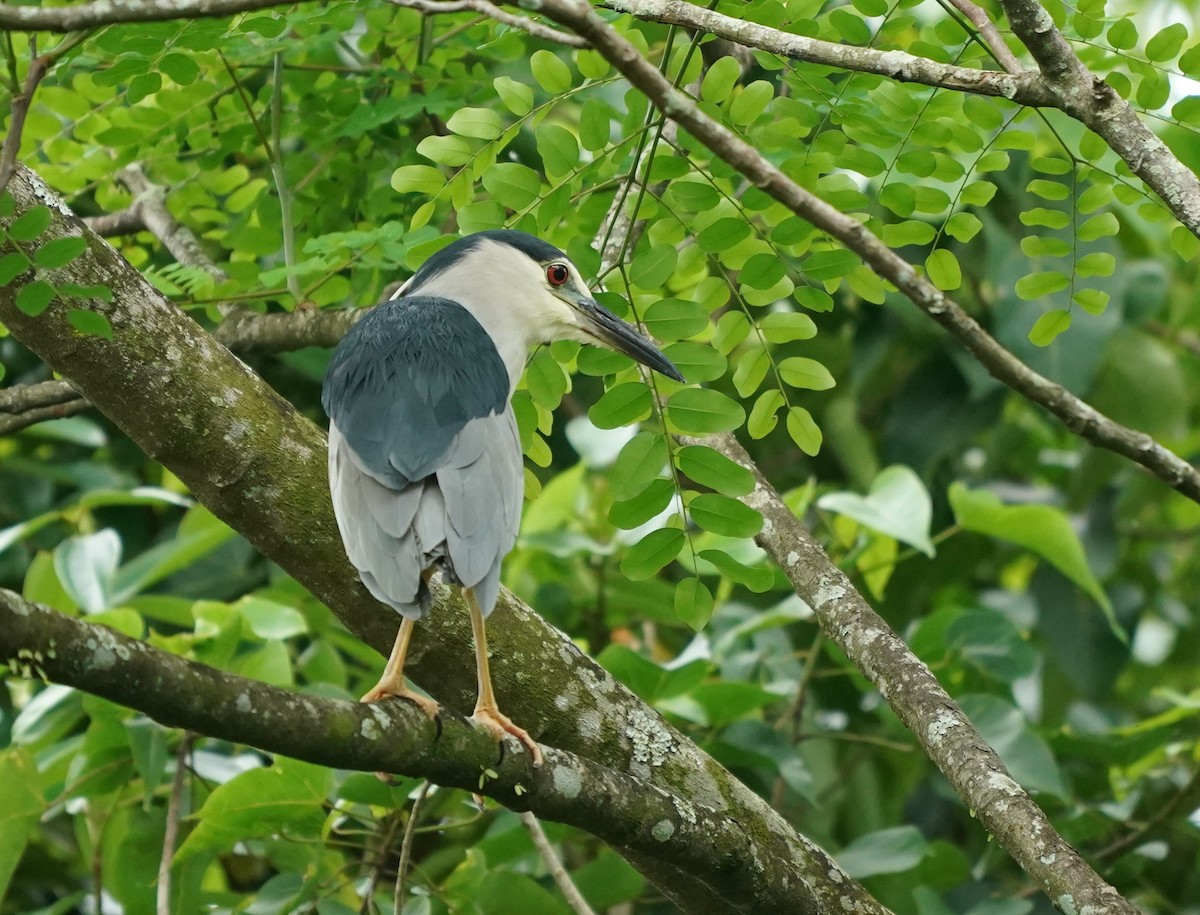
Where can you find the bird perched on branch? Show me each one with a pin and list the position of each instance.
(425, 465)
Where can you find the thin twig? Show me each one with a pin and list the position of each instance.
(20, 108)
(282, 190)
(174, 818)
(406, 845)
(381, 859)
(561, 878)
(525, 24)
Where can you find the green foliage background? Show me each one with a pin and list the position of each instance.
(1050, 586)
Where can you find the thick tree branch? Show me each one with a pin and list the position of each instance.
(257, 464)
(484, 8)
(103, 12)
(978, 17)
(1078, 416)
(625, 811)
(1091, 101)
(1024, 88)
(122, 222)
(949, 738)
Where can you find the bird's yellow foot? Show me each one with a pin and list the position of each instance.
(383, 690)
(498, 724)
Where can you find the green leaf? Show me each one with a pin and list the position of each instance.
(1049, 326)
(804, 430)
(640, 461)
(693, 603)
(750, 102)
(1038, 528)
(722, 515)
(1035, 285)
(180, 68)
(699, 411)
(452, 151)
(514, 185)
(621, 405)
(1098, 263)
(28, 226)
(21, 806)
(90, 323)
(12, 265)
(888, 851)
(764, 415)
(758, 578)
(480, 123)
(751, 371)
(595, 125)
(723, 234)
(675, 319)
(943, 270)
(787, 326)
(719, 80)
(557, 147)
(649, 503)
(896, 504)
(653, 267)
(697, 362)
(551, 73)
(59, 252)
(651, 553)
(270, 620)
(1167, 43)
(1099, 226)
(517, 97)
(288, 796)
(710, 468)
(504, 892)
(417, 179)
(809, 374)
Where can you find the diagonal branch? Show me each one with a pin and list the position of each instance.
(621, 809)
(484, 8)
(1024, 88)
(1077, 415)
(103, 12)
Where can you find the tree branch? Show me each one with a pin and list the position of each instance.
(948, 737)
(1091, 101)
(1024, 88)
(483, 7)
(621, 809)
(103, 12)
(978, 17)
(1078, 416)
(260, 466)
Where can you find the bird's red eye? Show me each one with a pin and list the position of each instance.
(557, 274)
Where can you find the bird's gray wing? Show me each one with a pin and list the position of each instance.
(406, 379)
(417, 392)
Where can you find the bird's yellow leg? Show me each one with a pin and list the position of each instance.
(392, 682)
(487, 713)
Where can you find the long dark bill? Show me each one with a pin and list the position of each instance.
(625, 338)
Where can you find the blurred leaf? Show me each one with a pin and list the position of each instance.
(86, 566)
(21, 807)
(888, 851)
(897, 504)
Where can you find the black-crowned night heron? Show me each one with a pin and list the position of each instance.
(425, 464)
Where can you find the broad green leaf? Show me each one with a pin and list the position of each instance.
(595, 125)
(21, 806)
(504, 892)
(699, 411)
(693, 603)
(943, 270)
(787, 326)
(1040, 529)
(723, 234)
(1166, 44)
(720, 514)
(180, 68)
(963, 226)
(897, 504)
(804, 430)
(480, 123)
(35, 298)
(697, 362)
(888, 851)
(640, 461)
(1098, 263)
(653, 267)
(751, 371)
(517, 97)
(148, 747)
(417, 179)
(649, 503)
(1035, 285)
(287, 796)
(1049, 326)
(513, 185)
(750, 102)
(651, 553)
(833, 264)
(1093, 301)
(809, 374)
(675, 319)
(558, 149)
(90, 323)
(551, 73)
(720, 79)
(12, 265)
(710, 468)
(59, 252)
(621, 405)
(452, 151)
(270, 620)
(86, 566)
(29, 225)
(757, 578)
(764, 416)
(1099, 226)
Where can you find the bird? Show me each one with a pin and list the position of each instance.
(426, 470)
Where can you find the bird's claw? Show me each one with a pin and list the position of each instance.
(498, 725)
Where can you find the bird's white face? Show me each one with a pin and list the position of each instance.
(522, 302)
